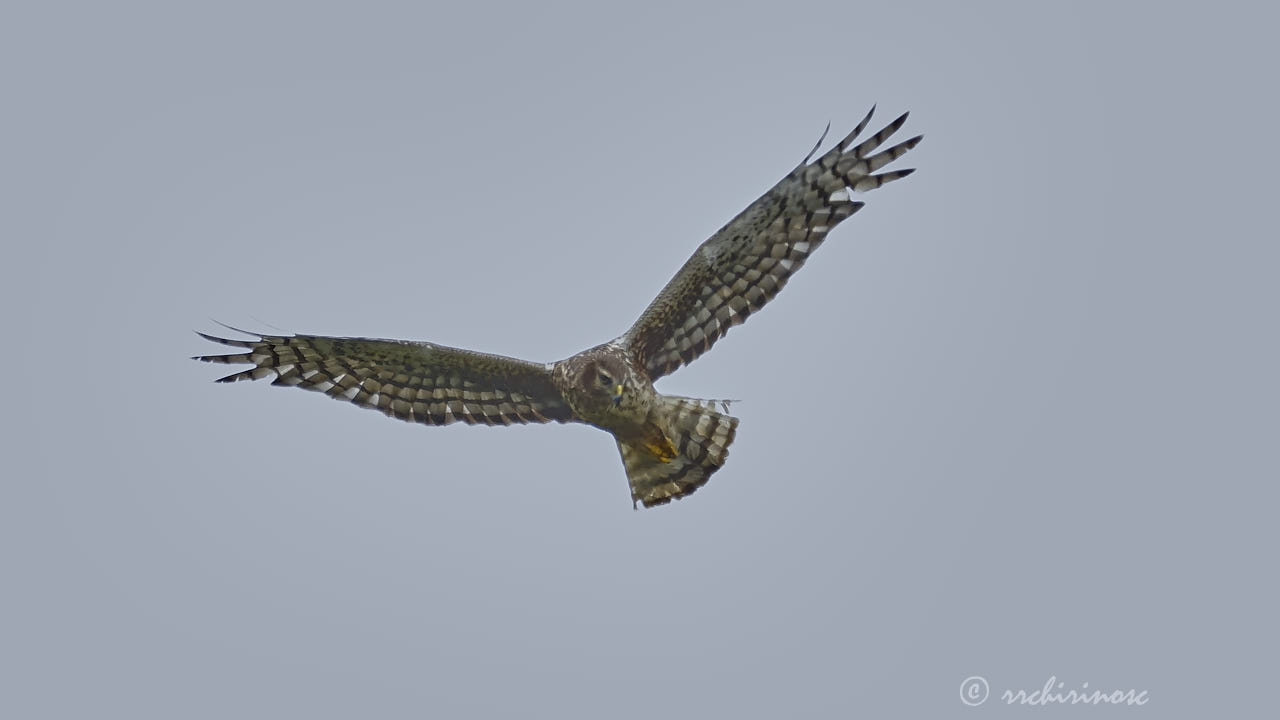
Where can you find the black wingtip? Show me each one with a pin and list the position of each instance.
(862, 125)
(897, 123)
(242, 332)
(817, 145)
(225, 341)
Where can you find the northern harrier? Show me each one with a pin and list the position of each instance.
(670, 445)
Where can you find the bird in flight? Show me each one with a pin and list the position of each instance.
(670, 445)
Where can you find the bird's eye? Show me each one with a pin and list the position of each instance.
(605, 380)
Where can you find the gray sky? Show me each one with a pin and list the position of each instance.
(1011, 421)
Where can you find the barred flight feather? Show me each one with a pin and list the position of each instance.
(744, 265)
(413, 381)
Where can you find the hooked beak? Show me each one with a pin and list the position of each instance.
(617, 395)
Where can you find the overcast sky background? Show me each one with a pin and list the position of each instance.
(1016, 419)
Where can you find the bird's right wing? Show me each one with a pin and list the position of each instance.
(740, 268)
(413, 381)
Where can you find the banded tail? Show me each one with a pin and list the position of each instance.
(692, 443)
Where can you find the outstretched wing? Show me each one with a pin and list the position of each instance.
(746, 263)
(413, 381)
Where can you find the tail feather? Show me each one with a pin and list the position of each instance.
(690, 443)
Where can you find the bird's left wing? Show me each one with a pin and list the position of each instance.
(413, 381)
(746, 263)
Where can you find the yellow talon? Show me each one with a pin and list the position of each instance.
(661, 448)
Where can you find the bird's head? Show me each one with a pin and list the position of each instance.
(610, 382)
(604, 384)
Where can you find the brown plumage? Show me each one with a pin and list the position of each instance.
(670, 446)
